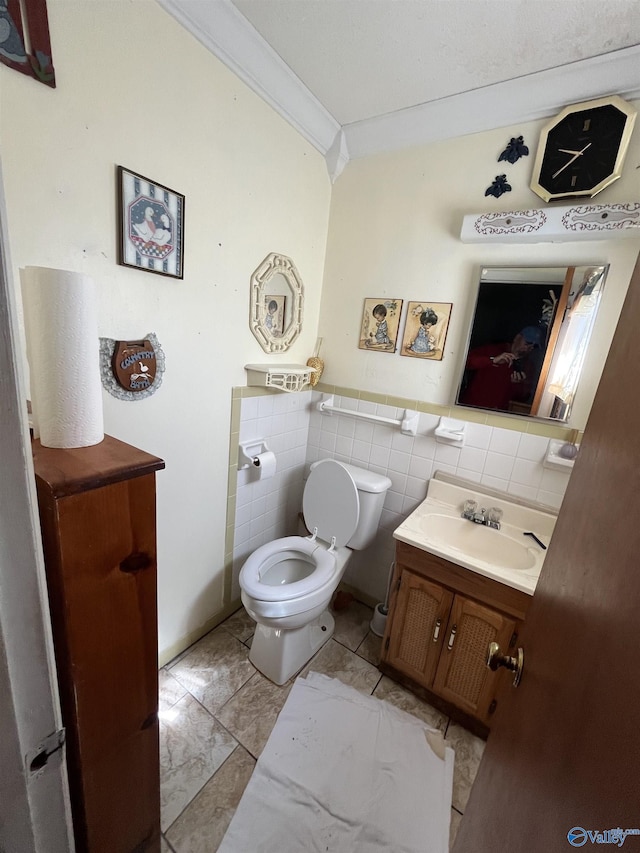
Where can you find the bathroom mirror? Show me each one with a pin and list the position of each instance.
(528, 338)
(276, 303)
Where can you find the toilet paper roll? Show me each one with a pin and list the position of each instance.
(266, 464)
(63, 352)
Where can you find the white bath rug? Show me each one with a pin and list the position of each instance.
(345, 773)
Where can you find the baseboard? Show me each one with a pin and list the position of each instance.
(167, 655)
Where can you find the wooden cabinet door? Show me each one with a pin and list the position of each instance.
(104, 597)
(463, 677)
(419, 621)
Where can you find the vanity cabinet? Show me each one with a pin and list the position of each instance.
(97, 514)
(442, 618)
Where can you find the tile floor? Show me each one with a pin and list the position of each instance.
(217, 711)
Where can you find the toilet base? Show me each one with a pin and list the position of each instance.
(280, 653)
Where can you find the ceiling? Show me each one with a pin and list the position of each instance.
(359, 77)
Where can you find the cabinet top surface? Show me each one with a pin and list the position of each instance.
(68, 471)
(506, 555)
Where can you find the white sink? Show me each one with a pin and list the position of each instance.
(496, 547)
(506, 555)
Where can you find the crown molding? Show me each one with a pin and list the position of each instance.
(524, 99)
(224, 31)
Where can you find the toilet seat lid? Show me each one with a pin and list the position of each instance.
(330, 502)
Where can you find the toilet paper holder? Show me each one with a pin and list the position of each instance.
(248, 452)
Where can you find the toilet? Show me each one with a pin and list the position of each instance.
(286, 585)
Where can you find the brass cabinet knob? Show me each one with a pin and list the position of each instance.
(515, 664)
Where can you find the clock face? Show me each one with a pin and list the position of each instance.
(581, 152)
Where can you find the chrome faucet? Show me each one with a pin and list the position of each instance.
(488, 517)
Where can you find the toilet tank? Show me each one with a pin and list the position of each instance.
(372, 490)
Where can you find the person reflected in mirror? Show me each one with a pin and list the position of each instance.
(382, 329)
(425, 340)
(500, 374)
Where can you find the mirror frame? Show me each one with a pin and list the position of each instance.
(568, 288)
(272, 265)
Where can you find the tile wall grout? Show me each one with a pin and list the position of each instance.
(500, 452)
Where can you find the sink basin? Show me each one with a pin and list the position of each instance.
(477, 542)
(505, 555)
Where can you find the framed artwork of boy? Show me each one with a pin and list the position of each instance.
(380, 321)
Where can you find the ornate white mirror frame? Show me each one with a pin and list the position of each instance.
(276, 303)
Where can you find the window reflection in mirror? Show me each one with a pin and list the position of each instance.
(529, 335)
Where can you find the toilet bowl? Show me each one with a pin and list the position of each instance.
(286, 585)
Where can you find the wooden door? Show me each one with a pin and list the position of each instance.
(462, 676)
(416, 635)
(564, 750)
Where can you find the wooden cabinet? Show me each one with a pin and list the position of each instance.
(420, 617)
(442, 618)
(97, 514)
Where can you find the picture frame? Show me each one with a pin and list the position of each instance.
(425, 329)
(26, 43)
(150, 225)
(379, 326)
(275, 310)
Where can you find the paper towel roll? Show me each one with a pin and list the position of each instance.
(63, 352)
(266, 464)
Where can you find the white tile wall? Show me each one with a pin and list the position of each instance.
(293, 428)
(267, 509)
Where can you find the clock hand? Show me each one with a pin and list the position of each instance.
(569, 151)
(576, 154)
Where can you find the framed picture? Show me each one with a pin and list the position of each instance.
(151, 225)
(380, 320)
(24, 39)
(426, 329)
(274, 313)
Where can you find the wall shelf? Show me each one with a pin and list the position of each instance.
(281, 377)
(554, 224)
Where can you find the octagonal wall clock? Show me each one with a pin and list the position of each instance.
(581, 151)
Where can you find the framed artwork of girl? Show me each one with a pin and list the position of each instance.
(426, 329)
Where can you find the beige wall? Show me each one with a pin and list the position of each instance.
(133, 88)
(395, 232)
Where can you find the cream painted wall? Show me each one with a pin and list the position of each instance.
(135, 89)
(394, 232)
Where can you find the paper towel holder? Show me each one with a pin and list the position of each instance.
(248, 451)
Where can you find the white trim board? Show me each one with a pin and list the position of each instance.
(523, 99)
(223, 30)
(35, 811)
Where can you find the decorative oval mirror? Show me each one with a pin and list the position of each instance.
(276, 303)
(528, 339)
